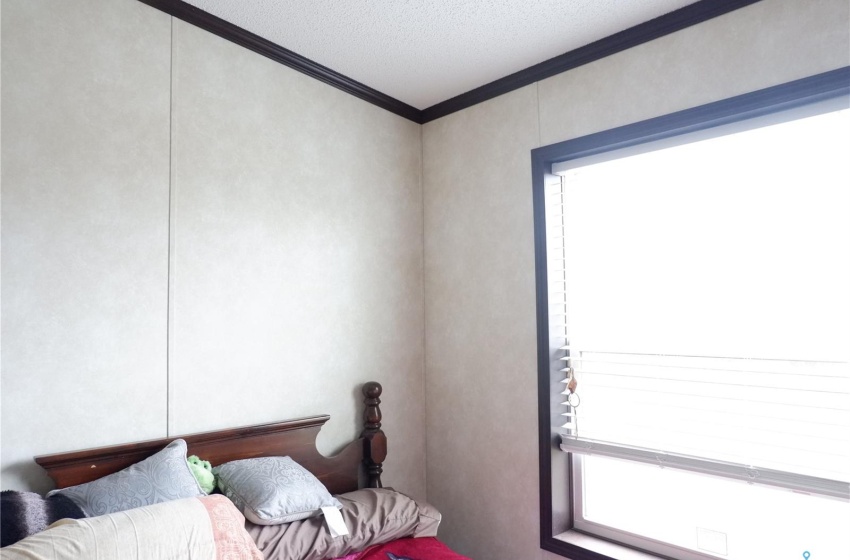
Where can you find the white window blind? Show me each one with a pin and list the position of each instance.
(700, 292)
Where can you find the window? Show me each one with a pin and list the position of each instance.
(692, 276)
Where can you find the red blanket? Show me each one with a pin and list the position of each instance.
(423, 548)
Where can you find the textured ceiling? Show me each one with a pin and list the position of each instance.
(423, 52)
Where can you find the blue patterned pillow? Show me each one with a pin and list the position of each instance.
(273, 490)
(161, 477)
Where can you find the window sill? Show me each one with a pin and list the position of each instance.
(606, 548)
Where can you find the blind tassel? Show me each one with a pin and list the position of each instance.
(573, 401)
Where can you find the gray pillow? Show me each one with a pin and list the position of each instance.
(372, 515)
(161, 477)
(273, 490)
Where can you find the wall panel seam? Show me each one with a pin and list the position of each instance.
(424, 306)
(168, 320)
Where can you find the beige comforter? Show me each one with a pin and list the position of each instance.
(206, 528)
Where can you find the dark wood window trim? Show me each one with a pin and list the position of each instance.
(663, 25)
(762, 102)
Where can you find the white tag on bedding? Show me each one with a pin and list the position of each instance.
(336, 524)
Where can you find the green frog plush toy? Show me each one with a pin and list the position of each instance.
(203, 473)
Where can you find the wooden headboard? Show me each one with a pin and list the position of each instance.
(295, 438)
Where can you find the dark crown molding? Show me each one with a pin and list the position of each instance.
(663, 25)
(626, 39)
(235, 34)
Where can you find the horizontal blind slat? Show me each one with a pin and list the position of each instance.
(784, 415)
(783, 479)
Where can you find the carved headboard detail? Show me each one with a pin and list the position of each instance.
(295, 438)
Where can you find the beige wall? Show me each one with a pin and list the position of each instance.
(196, 237)
(479, 246)
(296, 253)
(84, 228)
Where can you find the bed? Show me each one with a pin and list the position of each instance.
(384, 524)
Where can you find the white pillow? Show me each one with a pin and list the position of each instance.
(273, 490)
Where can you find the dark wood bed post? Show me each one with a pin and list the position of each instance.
(374, 440)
